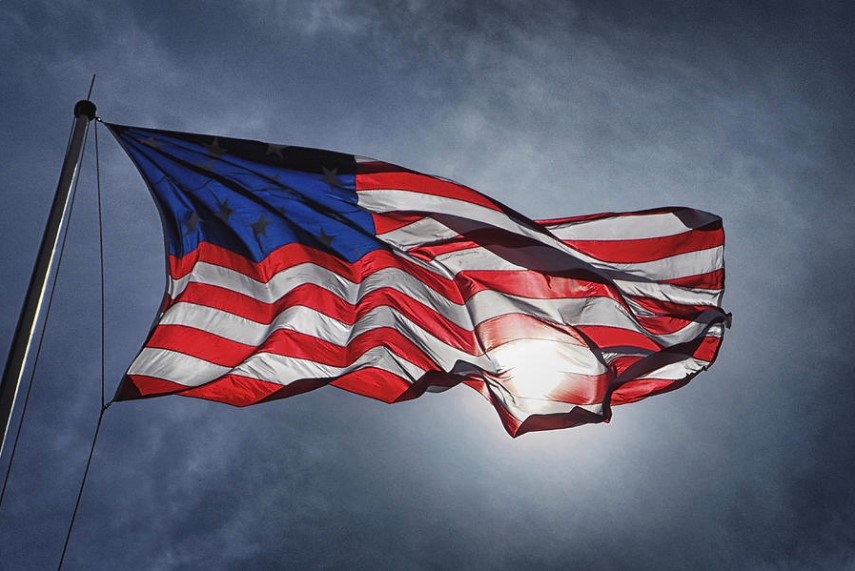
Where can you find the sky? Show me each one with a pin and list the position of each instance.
(554, 108)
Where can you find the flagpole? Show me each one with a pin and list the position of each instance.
(84, 112)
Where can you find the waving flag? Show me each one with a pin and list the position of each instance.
(294, 268)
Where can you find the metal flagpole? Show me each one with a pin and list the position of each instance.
(84, 112)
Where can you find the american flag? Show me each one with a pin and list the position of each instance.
(292, 268)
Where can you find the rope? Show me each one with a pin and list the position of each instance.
(82, 485)
(41, 337)
(101, 262)
(104, 406)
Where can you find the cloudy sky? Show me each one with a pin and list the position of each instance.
(554, 108)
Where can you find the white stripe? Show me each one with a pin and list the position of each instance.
(193, 372)
(627, 226)
(175, 367)
(423, 231)
(673, 267)
(589, 311)
(678, 370)
(288, 279)
(285, 370)
(671, 293)
(310, 322)
(480, 259)
(387, 200)
(522, 407)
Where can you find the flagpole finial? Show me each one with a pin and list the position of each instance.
(84, 107)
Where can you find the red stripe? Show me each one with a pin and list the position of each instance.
(620, 364)
(421, 184)
(230, 389)
(484, 236)
(610, 251)
(428, 252)
(286, 343)
(650, 249)
(572, 388)
(237, 390)
(375, 383)
(534, 285)
(638, 389)
(605, 337)
(200, 344)
(668, 316)
(373, 166)
(150, 386)
(662, 307)
(706, 351)
(580, 218)
(531, 284)
(713, 280)
(535, 422)
(663, 324)
(327, 303)
(503, 329)
(603, 215)
(294, 254)
(389, 221)
(509, 421)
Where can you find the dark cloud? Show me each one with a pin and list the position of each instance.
(742, 109)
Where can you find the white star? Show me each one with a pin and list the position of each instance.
(215, 150)
(259, 227)
(330, 176)
(325, 238)
(152, 142)
(275, 150)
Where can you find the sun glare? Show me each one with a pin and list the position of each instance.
(537, 368)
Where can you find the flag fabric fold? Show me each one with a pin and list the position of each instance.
(292, 268)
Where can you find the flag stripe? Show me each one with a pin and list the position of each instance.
(649, 249)
(192, 371)
(633, 225)
(420, 186)
(669, 268)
